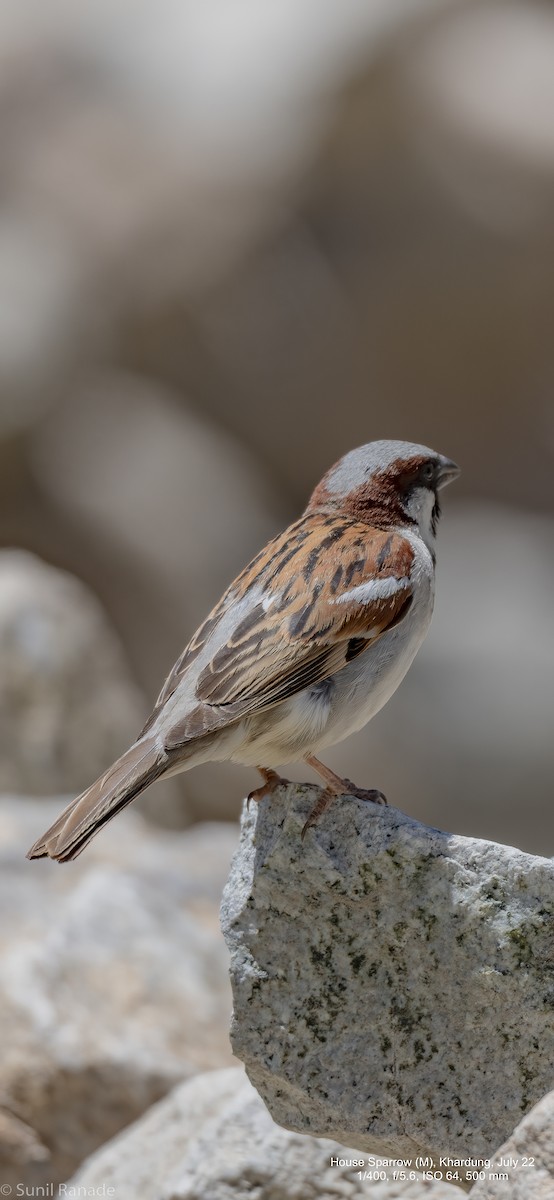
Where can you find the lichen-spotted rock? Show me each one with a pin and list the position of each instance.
(393, 985)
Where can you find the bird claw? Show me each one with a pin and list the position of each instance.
(322, 803)
(272, 781)
(328, 795)
(373, 795)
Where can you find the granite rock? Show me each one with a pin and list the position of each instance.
(526, 1160)
(213, 1137)
(392, 984)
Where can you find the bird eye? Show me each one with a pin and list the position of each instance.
(428, 472)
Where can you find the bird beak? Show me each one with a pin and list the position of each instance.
(448, 471)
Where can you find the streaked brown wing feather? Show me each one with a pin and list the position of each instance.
(187, 658)
(302, 635)
(282, 548)
(289, 667)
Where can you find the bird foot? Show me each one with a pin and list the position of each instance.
(272, 781)
(336, 787)
(371, 794)
(326, 798)
(343, 787)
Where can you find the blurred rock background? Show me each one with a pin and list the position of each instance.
(236, 241)
(234, 244)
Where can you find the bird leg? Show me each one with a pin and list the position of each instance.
(271, 781)
(335, 786)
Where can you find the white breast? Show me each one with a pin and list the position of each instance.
(365, 685)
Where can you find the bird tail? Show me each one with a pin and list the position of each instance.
(144, 762)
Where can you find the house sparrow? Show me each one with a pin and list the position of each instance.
(303, 649)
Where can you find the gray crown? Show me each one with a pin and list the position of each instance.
(359, 465)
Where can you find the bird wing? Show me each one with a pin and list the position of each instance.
(313, 600)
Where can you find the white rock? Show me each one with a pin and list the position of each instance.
(113, 983)
(67, 703)
(392, 984)
(525, 1161)
(213, 1139)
